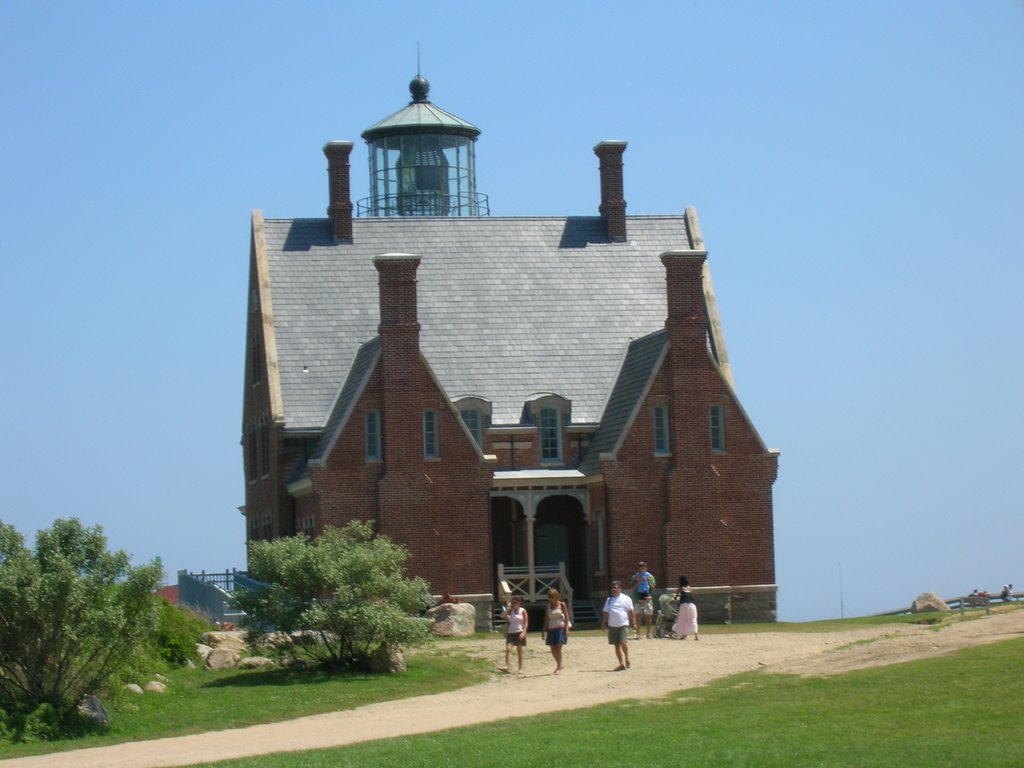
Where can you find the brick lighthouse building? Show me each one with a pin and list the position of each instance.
(522, 402)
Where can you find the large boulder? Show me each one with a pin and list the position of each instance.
(222, 658)
(928, 601)
(274, 641)
(388, 660)
(453, 619)
(255, 662)
(93, 708)
(233, 640)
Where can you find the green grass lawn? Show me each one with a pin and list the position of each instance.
(197, 700)
(964, 710)
(915, 714)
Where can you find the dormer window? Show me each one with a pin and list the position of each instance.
(476, 415)
(550, 434)
(549, 413)
(472, 418)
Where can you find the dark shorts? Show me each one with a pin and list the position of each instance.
(618, 635)
(515, 639)
(556, 637)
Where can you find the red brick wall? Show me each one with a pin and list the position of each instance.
(438, 508)
(699, 513)
(263, 493)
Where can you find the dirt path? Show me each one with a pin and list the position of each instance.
(658, 667)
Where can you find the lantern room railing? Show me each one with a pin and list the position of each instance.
(424, 203)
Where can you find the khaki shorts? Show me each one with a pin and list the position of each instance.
(644, 607)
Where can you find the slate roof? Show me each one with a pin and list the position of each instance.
(508, 307)
(638, 369)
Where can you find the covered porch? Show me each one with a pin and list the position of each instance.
(541, 534)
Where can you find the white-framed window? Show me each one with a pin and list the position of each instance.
(661, 443)
(716, 419)
(476, 415)
(471, 416)
(372, 431)
(550, 434)
(431, 443)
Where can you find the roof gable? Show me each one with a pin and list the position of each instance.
(354, 385)
(641, 364)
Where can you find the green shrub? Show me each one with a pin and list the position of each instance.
(177, 632)
(73, 615)
(346, 587)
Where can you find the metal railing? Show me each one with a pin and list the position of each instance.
(965, 602)
(210, 593)
(425, 203)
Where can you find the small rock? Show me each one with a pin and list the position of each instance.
(155, 686)
(134, 688)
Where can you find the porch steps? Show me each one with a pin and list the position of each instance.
(585, 614)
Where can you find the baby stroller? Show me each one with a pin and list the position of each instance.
(668, 610)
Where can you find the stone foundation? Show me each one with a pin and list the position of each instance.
(736, 604)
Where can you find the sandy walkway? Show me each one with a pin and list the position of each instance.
(659, 667)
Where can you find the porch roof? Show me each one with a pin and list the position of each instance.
(541, 477)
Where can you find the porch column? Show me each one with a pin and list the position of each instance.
(530, 513)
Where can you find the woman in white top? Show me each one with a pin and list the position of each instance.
(515, 633)
(556, 627)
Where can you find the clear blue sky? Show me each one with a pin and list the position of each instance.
(858, 169)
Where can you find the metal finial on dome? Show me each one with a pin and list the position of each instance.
(419, 87)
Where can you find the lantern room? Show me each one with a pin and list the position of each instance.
(422, 162)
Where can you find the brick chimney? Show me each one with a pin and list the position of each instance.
(402, 374)
(399, 327)
(613, 203)
(687, 308)
(339, 209)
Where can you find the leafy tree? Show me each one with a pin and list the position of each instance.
(346, 587)
(72, 615)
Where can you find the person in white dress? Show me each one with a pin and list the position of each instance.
(686, 620)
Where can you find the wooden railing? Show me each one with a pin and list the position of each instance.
(532, 584)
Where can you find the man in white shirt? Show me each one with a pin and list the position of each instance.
(617, 617)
